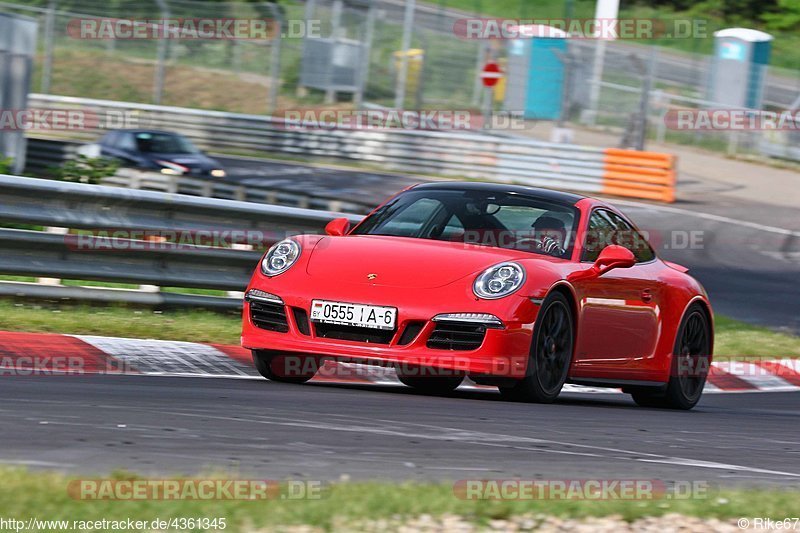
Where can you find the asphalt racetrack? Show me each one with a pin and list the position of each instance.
(163, 425)
(747, 258)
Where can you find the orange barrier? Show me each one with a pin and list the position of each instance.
(649, 175)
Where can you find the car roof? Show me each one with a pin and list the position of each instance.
(137, 130)
(532, 192)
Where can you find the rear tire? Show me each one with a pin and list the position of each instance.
(274, 367)
(690, 364)
(550, 355)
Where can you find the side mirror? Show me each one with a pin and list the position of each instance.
(611, 257)
(337, 227)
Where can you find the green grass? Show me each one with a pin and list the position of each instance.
(24, 494)
(733, 338)
(195, 325)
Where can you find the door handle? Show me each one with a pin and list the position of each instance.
(647, 296)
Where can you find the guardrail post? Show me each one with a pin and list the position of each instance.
(52, 281)
(49, 37)
(149, 288)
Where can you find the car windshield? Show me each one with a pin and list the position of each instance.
(164, 143)
(484, 218)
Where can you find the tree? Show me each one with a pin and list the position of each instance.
(786, 17)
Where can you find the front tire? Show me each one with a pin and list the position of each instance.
(551, 354)
(690, 364)
(278, 367)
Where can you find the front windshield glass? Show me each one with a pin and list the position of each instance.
(484, 218)
(164, 143)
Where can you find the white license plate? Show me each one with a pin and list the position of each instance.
(365, 316)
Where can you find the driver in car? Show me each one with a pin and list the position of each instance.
(550, 235)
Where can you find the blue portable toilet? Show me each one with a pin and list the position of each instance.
(741, 56)
(535, 72)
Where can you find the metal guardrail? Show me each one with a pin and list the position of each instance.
(45, 154)
(215, 188)
(455, 154)
(139, 259)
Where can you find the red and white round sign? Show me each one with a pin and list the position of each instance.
(491, 74)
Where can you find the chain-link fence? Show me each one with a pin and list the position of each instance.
(370, 53)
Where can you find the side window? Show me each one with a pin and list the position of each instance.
(630, 238)
(452, 230)
(412, 220)
(110, 139)
(600, 234)
(126, 142)
(607, 228)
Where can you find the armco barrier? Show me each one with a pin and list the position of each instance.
(125, 260)
(443, 153)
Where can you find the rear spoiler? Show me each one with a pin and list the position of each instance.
(676, 266)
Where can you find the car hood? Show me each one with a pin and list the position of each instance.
(401, 261)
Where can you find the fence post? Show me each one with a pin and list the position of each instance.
(644, 101)
(366, 48)
(336, 22)
(408, 23)
(49, 38)
(275, 63)
(158, 83)
(590, 116)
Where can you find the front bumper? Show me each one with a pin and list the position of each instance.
(502, 352)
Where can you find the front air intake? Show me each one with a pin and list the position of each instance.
(268, 315)
(456, 336)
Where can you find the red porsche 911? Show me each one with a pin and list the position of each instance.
(516, 287)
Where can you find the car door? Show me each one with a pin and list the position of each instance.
(107, 144)
(124, 149)
(619, 321)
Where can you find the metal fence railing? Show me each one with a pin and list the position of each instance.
(442, 153)
(113, 235)
(364, 38)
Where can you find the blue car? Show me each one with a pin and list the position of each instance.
(161, 151)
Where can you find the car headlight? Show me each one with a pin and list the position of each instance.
(498, 281)
(218, 173)
(172, 169)
(280, 257)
